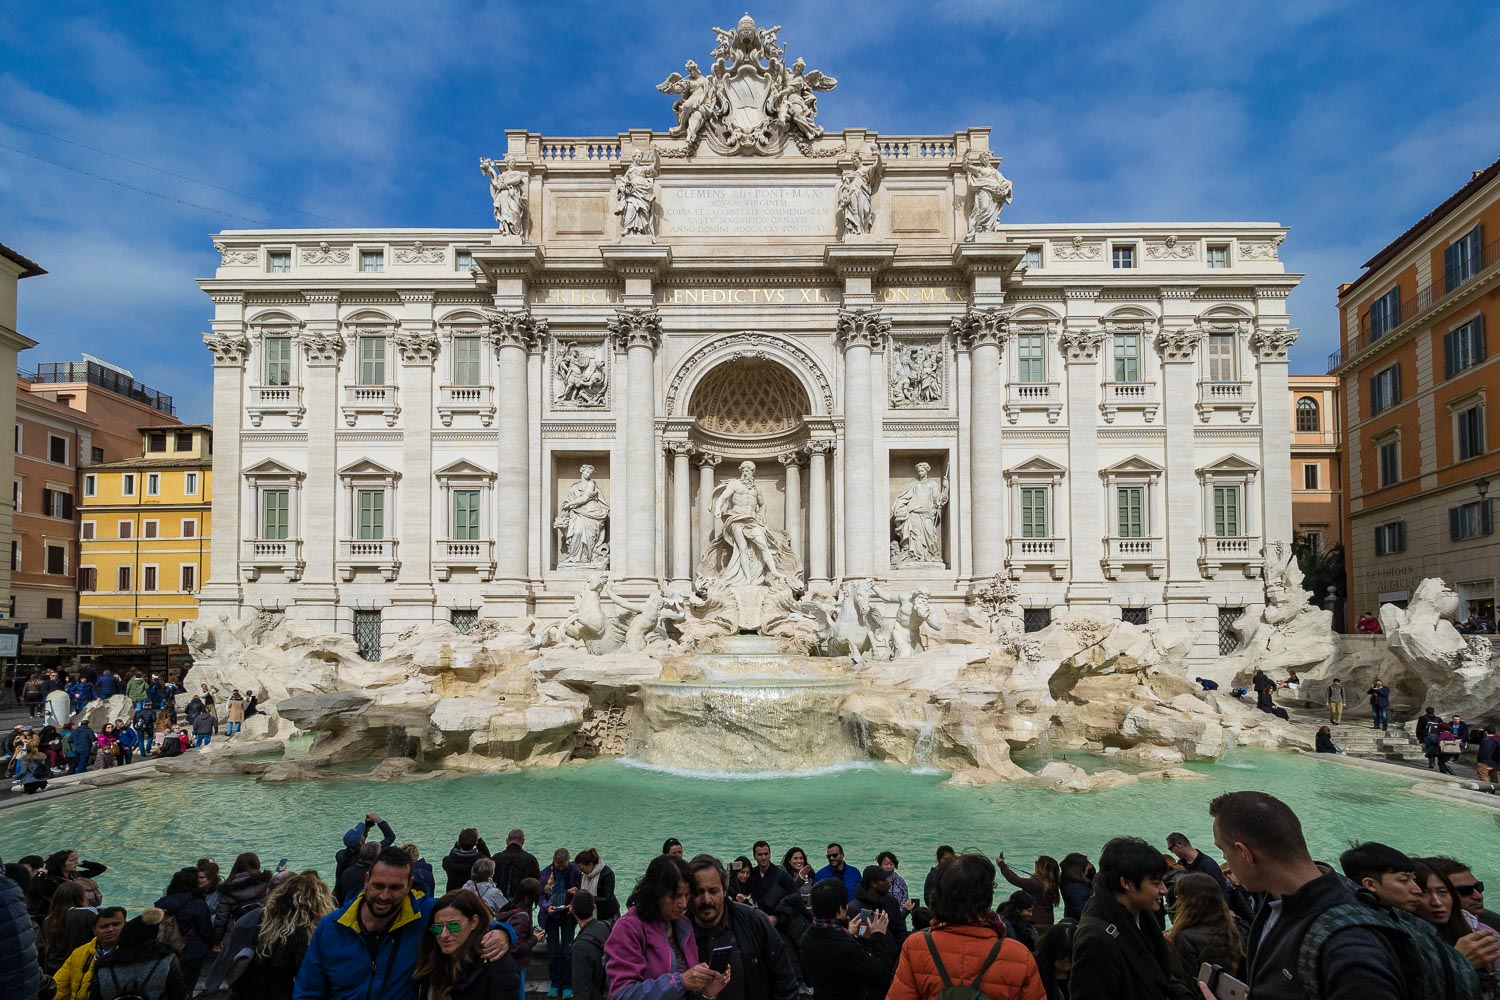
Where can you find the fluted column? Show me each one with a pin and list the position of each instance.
(793, 520)
(817, 511)
(513, 333)
(682, 513)
(857, 331)
(706, 465)
(982, 332)
(639, 332)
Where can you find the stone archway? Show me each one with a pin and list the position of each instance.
(749, 397)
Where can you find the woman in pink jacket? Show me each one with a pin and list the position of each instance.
(651, 954)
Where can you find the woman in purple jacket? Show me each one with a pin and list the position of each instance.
(651, 954)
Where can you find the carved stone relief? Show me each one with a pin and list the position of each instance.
(325, 254)
(916, 374)
(580, 374)
(1077, 249)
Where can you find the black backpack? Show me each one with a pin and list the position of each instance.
(110, 985)
(243, 907)
(507, 874)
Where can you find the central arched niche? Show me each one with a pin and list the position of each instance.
(749, 398)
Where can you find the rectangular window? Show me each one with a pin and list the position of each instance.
(153, 484)
(157, 441)
(1127, 357)
(367, 634)
(1314, 541)
(278, 360)
(1390, 538)
(189, 578)
(190, 483)
(18, 439)
(150, 529)
(15, 495)
(1463, 347)
(466, 360)
(1032, 259)
(148, 578)
(1462, 259)
(189, 528)
(1123, 256)
(279, 261)
(370, 522)
(57, 449)
(463, 260)
(1470, 520)
(463, 620)
(1388, 460)
(273, 514)
(96, 454)
(1385, 389)
(86, 633)
(90, 486)
(1309, 477)
(1471, 432)
(1031, 357)
(15, 558)
(1218, 255)
(122, 579)
(57, 560)
(122, 628)
(1035, 619)
(1229, 639)
(127, 529)
(88, 579)
(372, 260)
(127, 484)
(466, 515)
(1034, 512)
(54, 607)
(1221, 357)
(184, 440)
(1385, 313)
(86, 531)
(1130, 505)
(56, 503)
(372, 361)
(1135, 616)
(1227, 512)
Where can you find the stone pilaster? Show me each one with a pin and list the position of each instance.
(706, 465)
(858, 329)
(1080, 349)
(793, 519)
(682, 514)
(417, 346)
(1178, 505)
(322, 349)
(1271, 350)
(514, 334)
(231, 349)
(638, 332)
(981, 332)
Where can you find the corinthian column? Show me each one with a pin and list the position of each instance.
(682, 514)
(857, 332)
(638, 331)
(793, 519)
(982, 333)
(514, 332)
(230, 349)
(1271, 348)
(706, 465)
(817, 511)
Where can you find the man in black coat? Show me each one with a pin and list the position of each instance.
(874, 894)
(589, 981)
(758, 959)
(514, 864)
(769, 883)
(459, 862)
(853, 963)
(20, 973)
(1119, 952)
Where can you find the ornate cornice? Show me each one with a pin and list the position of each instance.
(227, 298)
(321, 347)
(861, 327)
(1178, 345)
(417, 348)
(231, 350)
(416, 296)
(1081, 346)
(635, 328)
(515, 328)
(1086, 293)
(979, 327)
(1273, 345)
(328, 297)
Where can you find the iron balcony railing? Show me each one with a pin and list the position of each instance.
(58, 372)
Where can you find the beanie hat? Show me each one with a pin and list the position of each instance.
(1022, 900)
(142, 930)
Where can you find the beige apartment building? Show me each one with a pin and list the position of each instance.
(1317, 463)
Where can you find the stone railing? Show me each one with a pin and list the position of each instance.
(588, 150)
(368, 553)
(466, 399)
(1033, 396)
(1118, 396)
(266, 399)
(451, 554)
(1226, 396)
(379, 399)
(1149, 553)
(913, 147)
(1218, 551)
(280, 555)
(1049, 554)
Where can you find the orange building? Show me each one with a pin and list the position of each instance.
(1422, 438)
(1317, 461)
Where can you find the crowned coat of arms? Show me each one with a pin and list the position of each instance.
(750, 101)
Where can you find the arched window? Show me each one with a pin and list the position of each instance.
(1307, 414)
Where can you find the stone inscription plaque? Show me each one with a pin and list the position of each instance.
(747, 211)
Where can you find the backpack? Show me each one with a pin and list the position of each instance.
(962, 991)
(152, 986)
(244, 906)
(507, 875)
(1430, 969)
(170, 934)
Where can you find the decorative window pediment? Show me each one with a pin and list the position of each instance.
(272, 469)
(1133, 467)
(1230, 467)
(1037, 467)
(463, 470)
(366, 468)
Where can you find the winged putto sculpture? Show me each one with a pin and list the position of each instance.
(750, 100)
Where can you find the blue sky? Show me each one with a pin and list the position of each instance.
(1344, 120)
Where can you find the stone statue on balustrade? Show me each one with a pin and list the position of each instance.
(702, 98)
(855, 197)
(582, 375)
(918, 514)
(989, 192)
(636, 194)
(583, 524)
(508, 192)
(744, 551)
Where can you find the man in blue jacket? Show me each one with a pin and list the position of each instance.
(839, 869)
(367, 950)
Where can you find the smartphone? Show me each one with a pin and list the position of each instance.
(718, 959)
(281, 865)
(1215, 982)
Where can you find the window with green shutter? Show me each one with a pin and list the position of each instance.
(1127, 357)
(1462, 259)
(278, 360)
(1130, 503)
(372, 361)
(466, 360)
(370, 525)
(273, 514)
(466, 515)
(1227, 511)
(1034, 512)
(1031, 358)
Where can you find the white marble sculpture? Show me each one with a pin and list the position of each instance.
(583, 524)
(903, 636)
(582, 375)
(792, 101)
(636, 193)
(918, 513)
(701, 98)
(989, 192)
(586, 622)
(916, 377)
(508, 192)
(855, 196)
(744, 551)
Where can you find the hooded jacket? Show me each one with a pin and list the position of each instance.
(458, 864)
(239, 892)
(20, 973)
(639, 962)
(194, 922)
(340, 966)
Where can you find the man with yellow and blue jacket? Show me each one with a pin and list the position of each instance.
(367, 950)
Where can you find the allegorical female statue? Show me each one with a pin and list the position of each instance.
(635, 194)
(989, 192)
(508, 192)
(856, 187)
(918, 513)
(744, 550)
(581, 534)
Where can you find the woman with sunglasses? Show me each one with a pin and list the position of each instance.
(449, 966)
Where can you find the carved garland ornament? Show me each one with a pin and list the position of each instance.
(419, 253)
(230, 349)
(229, 256)
(739, 344)
(325, 254)
(1170, 249)
(1077, 250)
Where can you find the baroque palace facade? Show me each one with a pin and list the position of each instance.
(428, 424)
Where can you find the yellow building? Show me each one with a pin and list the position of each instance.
(143, 539)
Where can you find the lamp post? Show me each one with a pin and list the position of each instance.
(1482, 484)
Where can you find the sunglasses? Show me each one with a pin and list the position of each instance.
(1469, 890)
(834, 857)
(452, 927)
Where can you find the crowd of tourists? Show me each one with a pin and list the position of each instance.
(32, 755)
(384, 923)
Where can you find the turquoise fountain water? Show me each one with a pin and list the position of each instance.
(144, 831)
